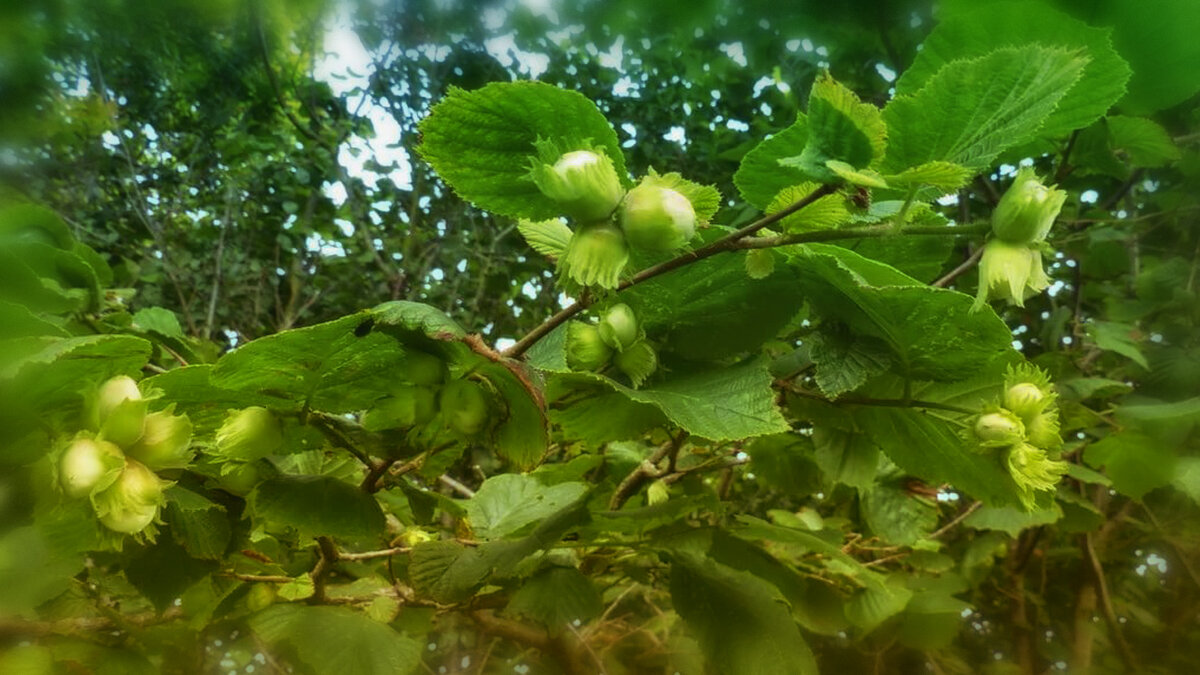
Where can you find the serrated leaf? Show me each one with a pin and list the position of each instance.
(507, 503)
(298, 588)
(557, 597)
(315, 505)
(896, 516)
(741, 621)
(1144, 142)
(945, 176)
(197, 524)
(597, 414)
(729, 403)
(845, 362)
(193, 394)
(930, 332)
(862, 177)
(784, 462)
(825, 213)
(707, 311)
(158, 320)
(760, 177)
(841, 128)
(877, 603)
(548, 237)
(481, 142)
(1134, 461)
(327, 367)
(973, 109)
(931, 449)
(1012, 519)
(975, 29)
(334, 640)
(845, 455)
(1118, 338)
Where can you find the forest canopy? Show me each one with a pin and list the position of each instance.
(543, 337)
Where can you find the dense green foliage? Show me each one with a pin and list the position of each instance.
(445, 337)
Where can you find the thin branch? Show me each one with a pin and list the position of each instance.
(259, 578)
(645, 470)
(873, 232)
(960, 270)
(956, 520)
(1116, 197)
(456, 486)
(368, 555)
(1110, 616)
(737, 240)
(884, 402)
(723, 244)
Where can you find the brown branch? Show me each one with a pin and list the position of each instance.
(954, 522)
(16, 627)
(368, 555)
(960, 270)
(327, 555)
(641, 473)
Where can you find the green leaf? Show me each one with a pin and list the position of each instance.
(1158, 39)
(1144, 142)
(895, 515)
(507, 503)
(521, 435)
(481, 142)
(1187, 477)
(877, 603)
(56, 369)
(158, 320)
(846, 456)
(973, 109)
(708, 311)
(784, 462)
(548, 237)
(730, 403)
(334, 640)
(418, 319)
(931, 332)
(193, 394)
(164, 571)
(760, 177)
(316, 505)
(944, 176)
(197, 524)
(825, 213)
(975, 29)
(327, 367)
(1135, 462)
(845, 362)
(742, 622)
(841, 128)
(1012, 519)
(1117, 337)
(931, 449)
(597, 414)
(557, 597)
